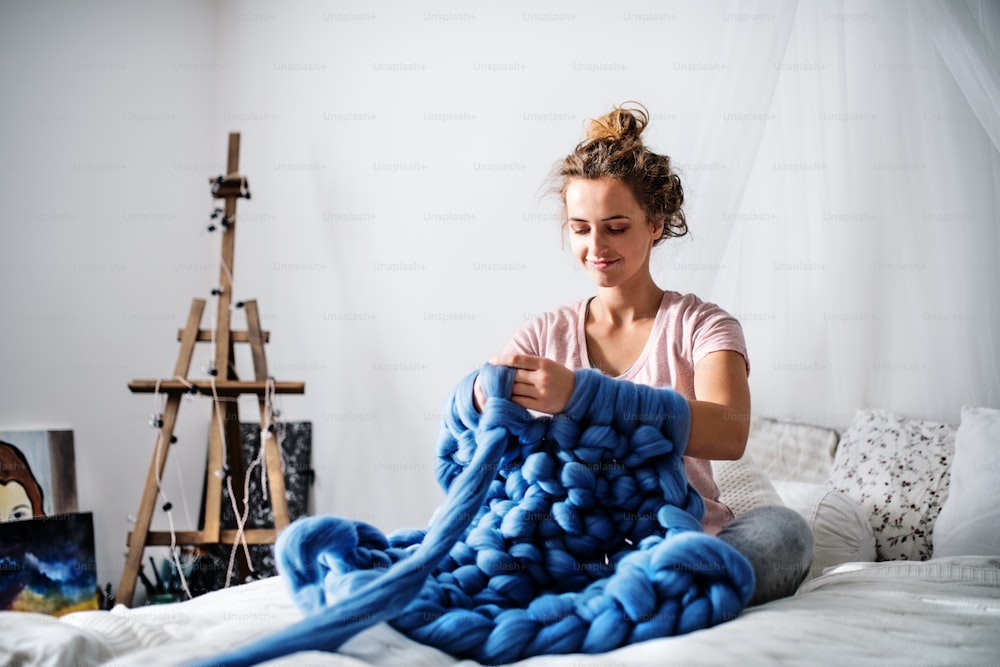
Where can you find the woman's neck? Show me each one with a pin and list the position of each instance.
(616, 306)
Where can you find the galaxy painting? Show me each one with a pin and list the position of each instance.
(47, 565)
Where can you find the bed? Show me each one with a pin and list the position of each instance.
(907, 569)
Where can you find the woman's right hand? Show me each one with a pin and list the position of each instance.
(540, 384)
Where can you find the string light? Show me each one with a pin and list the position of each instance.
(215, 215)
(218, 291)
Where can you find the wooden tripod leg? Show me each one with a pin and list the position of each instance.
(275, 474)
(214, 474)
(139, 535)
(272, 451)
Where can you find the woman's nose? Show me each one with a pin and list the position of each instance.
(597, 241)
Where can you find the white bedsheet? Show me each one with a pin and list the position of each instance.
(944, 611)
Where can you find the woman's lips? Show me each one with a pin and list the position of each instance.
(602, 264)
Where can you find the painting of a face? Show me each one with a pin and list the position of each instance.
(21, 495)
(14, 502)
(40, 464)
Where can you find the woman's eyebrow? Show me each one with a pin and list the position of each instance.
(617, 216)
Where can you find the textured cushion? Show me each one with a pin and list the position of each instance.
(898, 470)
(787, 450)
(969, 523)
(743, 485)
(839, 524)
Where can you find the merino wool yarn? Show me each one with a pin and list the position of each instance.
(576, 533)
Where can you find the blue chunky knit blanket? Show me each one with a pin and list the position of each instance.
(577, 533)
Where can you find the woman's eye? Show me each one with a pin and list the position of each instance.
(617, 230)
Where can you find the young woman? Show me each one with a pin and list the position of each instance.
(620, 200)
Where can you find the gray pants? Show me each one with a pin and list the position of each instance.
(779, 545)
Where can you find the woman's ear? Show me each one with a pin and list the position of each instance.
(656, 228)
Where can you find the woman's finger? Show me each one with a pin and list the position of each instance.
(522, 361)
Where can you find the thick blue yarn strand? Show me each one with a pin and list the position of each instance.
(577, 533)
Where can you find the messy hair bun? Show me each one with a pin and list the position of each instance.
(613, 148)
(619, 125)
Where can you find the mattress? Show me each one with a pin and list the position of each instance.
(941, 611)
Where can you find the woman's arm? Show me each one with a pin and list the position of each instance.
(720, 415)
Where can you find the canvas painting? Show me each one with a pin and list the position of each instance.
(37, 474)
(47, 565)
(210, 572)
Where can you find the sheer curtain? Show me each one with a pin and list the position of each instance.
(855, 224)
(965, 35)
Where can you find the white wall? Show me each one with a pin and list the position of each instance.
(396, 235)
(106, 148)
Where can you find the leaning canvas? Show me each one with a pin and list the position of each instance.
(47, 565)
(37, 474)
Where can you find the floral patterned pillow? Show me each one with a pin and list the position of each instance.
(898, 469)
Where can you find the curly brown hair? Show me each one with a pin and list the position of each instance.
(613, 148)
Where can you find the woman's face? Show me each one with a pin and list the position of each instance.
(14, 502)
(608, 230)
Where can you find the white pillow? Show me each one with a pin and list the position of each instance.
(787, 450)
(897, 468)
(743, 486)
(839, 524)
(969, 522)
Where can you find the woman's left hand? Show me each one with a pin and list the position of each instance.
(540, 384)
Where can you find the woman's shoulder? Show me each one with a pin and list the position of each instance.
(705, 325)
(561, 316)
(691, 305)
(552, 329)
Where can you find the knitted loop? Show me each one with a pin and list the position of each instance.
(572, 533)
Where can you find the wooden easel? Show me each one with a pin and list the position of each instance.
(225, 440)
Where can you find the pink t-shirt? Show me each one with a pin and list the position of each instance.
(686, 329)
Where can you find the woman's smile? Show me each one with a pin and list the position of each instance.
(603, 264)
